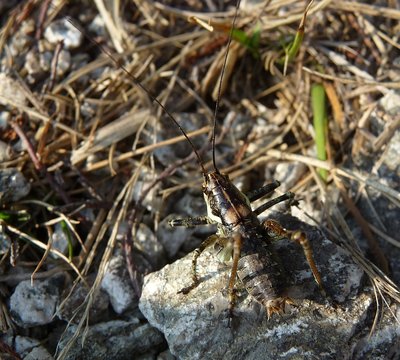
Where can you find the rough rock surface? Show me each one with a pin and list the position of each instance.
(13, 185)
(117, 285)
(32, 305)
(195, 325)
(115, 339)
(27, 348)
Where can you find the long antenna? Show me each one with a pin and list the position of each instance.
(220, 86)
(139, 84)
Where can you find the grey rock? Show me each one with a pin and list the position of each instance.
(72, 308)
(27, 348)
(45, 59)
(117, 285)
(38, 353)
(5, 241)
(4, 151)
(190, 205)
(32, 63)
(392, 154)
(5, 117)
(20, 42)
(61, 240)
(166, 355)
(169, 154)
(114, 340)
(151, 202)
(38, 63)
(63, 30)
(13, 185)
(289, 174)
(195, 325)
(32, 305)
(383, 343)
(64, 62)
(263, 132)
(148, 244)
(390, 103)
(97, 26)
(12, 91)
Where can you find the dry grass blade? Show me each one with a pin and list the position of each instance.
(379, 256)
(389, 192)
(110, 134)
(44, 257)
(124, 196)
(117, 33)
(380, 280)
(39, 244)
(367, 9)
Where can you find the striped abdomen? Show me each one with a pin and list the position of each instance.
(262, 275)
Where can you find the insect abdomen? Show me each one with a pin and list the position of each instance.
(263, 277)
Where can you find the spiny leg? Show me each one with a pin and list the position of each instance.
(195, 280)
(300, 238)
(237, 245)
(191, 221)
(262, 191)
(272, 202)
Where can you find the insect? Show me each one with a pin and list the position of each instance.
(254, 261)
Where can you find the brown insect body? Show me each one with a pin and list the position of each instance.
(254, 261)
(258, 267)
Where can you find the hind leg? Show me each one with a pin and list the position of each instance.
(237, 246)
(300, 238)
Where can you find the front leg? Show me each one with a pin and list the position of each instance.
(191, 221)
(195, 279)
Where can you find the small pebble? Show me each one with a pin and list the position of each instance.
(13, 185)
(116, 284)
(63, 30)
(32, 305)
(10, 89)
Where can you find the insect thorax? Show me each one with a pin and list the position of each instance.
(226, 204)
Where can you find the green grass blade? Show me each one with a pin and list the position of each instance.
(252, 43)
(292, 50)
(320, 120)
